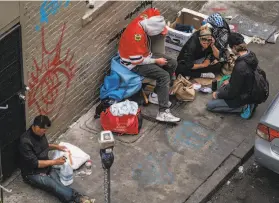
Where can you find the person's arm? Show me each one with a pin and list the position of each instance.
(186, 56)
(198, 66)
(215, 50)
(233, 89)
(28, 155)
(53, 146)
(46, 163)
(57, 147)
(202, 65)
(31, 159)
(147, 60)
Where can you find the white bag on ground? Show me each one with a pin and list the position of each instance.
(78, 156)
(66, 174)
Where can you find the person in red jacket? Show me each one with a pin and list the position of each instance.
(135, 54)
(148, 13)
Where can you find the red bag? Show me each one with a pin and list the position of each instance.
(126, 124)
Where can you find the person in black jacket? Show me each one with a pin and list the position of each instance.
(199, 56)
(234, 95)
(36, 166)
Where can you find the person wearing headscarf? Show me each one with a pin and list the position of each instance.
(135, 54)
(220, 30)
(235, 95)
(199, 56)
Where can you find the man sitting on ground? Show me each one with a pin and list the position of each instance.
(36, 167)
(199, 56)
(235, 95)
(135, 53)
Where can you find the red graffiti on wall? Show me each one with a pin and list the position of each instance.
(219, 9)
(51, 79)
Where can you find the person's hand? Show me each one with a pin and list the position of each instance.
(60, 161)
(225, 83)
(161, 61)
(213, 41)
(214, 62)
(206, 63)
(62, 148)
(214, 95)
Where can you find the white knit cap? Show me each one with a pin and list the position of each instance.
(154, 25)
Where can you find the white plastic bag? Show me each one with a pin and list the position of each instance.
(77, 156)
(66, 174)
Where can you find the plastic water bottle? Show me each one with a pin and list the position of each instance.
(66, 174)
(88, 166)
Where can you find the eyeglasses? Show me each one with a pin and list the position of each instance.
(203, 39)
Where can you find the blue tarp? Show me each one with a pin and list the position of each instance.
(121, 83)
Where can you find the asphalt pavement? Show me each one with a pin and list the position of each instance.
(255, 184)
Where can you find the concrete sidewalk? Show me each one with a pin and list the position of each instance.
(184, 163)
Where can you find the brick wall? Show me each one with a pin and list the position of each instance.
(64, 62)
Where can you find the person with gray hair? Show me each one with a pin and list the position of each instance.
(135, 54)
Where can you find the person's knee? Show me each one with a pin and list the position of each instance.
(173, 64)
(210, 106)
(163, 78)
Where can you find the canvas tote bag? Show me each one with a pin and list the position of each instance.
(183, 89)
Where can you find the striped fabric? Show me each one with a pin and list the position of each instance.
(215, 19)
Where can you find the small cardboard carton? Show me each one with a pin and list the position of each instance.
(176, 39)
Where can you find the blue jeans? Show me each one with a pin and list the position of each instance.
(51, 183)
(220, 106)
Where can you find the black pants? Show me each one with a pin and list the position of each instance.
(196, 73)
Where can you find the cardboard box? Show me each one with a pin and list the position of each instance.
(176, 39)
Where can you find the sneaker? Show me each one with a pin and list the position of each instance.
(248, 111)
(166, 116)
(208, 75)
(205, 90)
(153, 98)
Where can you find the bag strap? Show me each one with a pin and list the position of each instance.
(119, 134)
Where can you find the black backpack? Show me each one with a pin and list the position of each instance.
(260, 90)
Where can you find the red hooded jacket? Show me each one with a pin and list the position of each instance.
(134, 44)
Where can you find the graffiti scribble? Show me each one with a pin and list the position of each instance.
(189, 135)
(50, 8)
(51, 78)
(219, 9)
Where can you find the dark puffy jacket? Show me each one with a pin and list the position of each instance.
(192, 51)
(237, 92)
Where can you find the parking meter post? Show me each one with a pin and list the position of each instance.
(106, 141)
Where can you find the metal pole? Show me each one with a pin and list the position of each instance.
(2, 198)
(1, 173)
(107, 185)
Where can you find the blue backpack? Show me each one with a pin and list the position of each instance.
(121, 83)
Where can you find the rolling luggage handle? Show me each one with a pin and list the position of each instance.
(4, 107)
(5, 189)
(1, 176)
